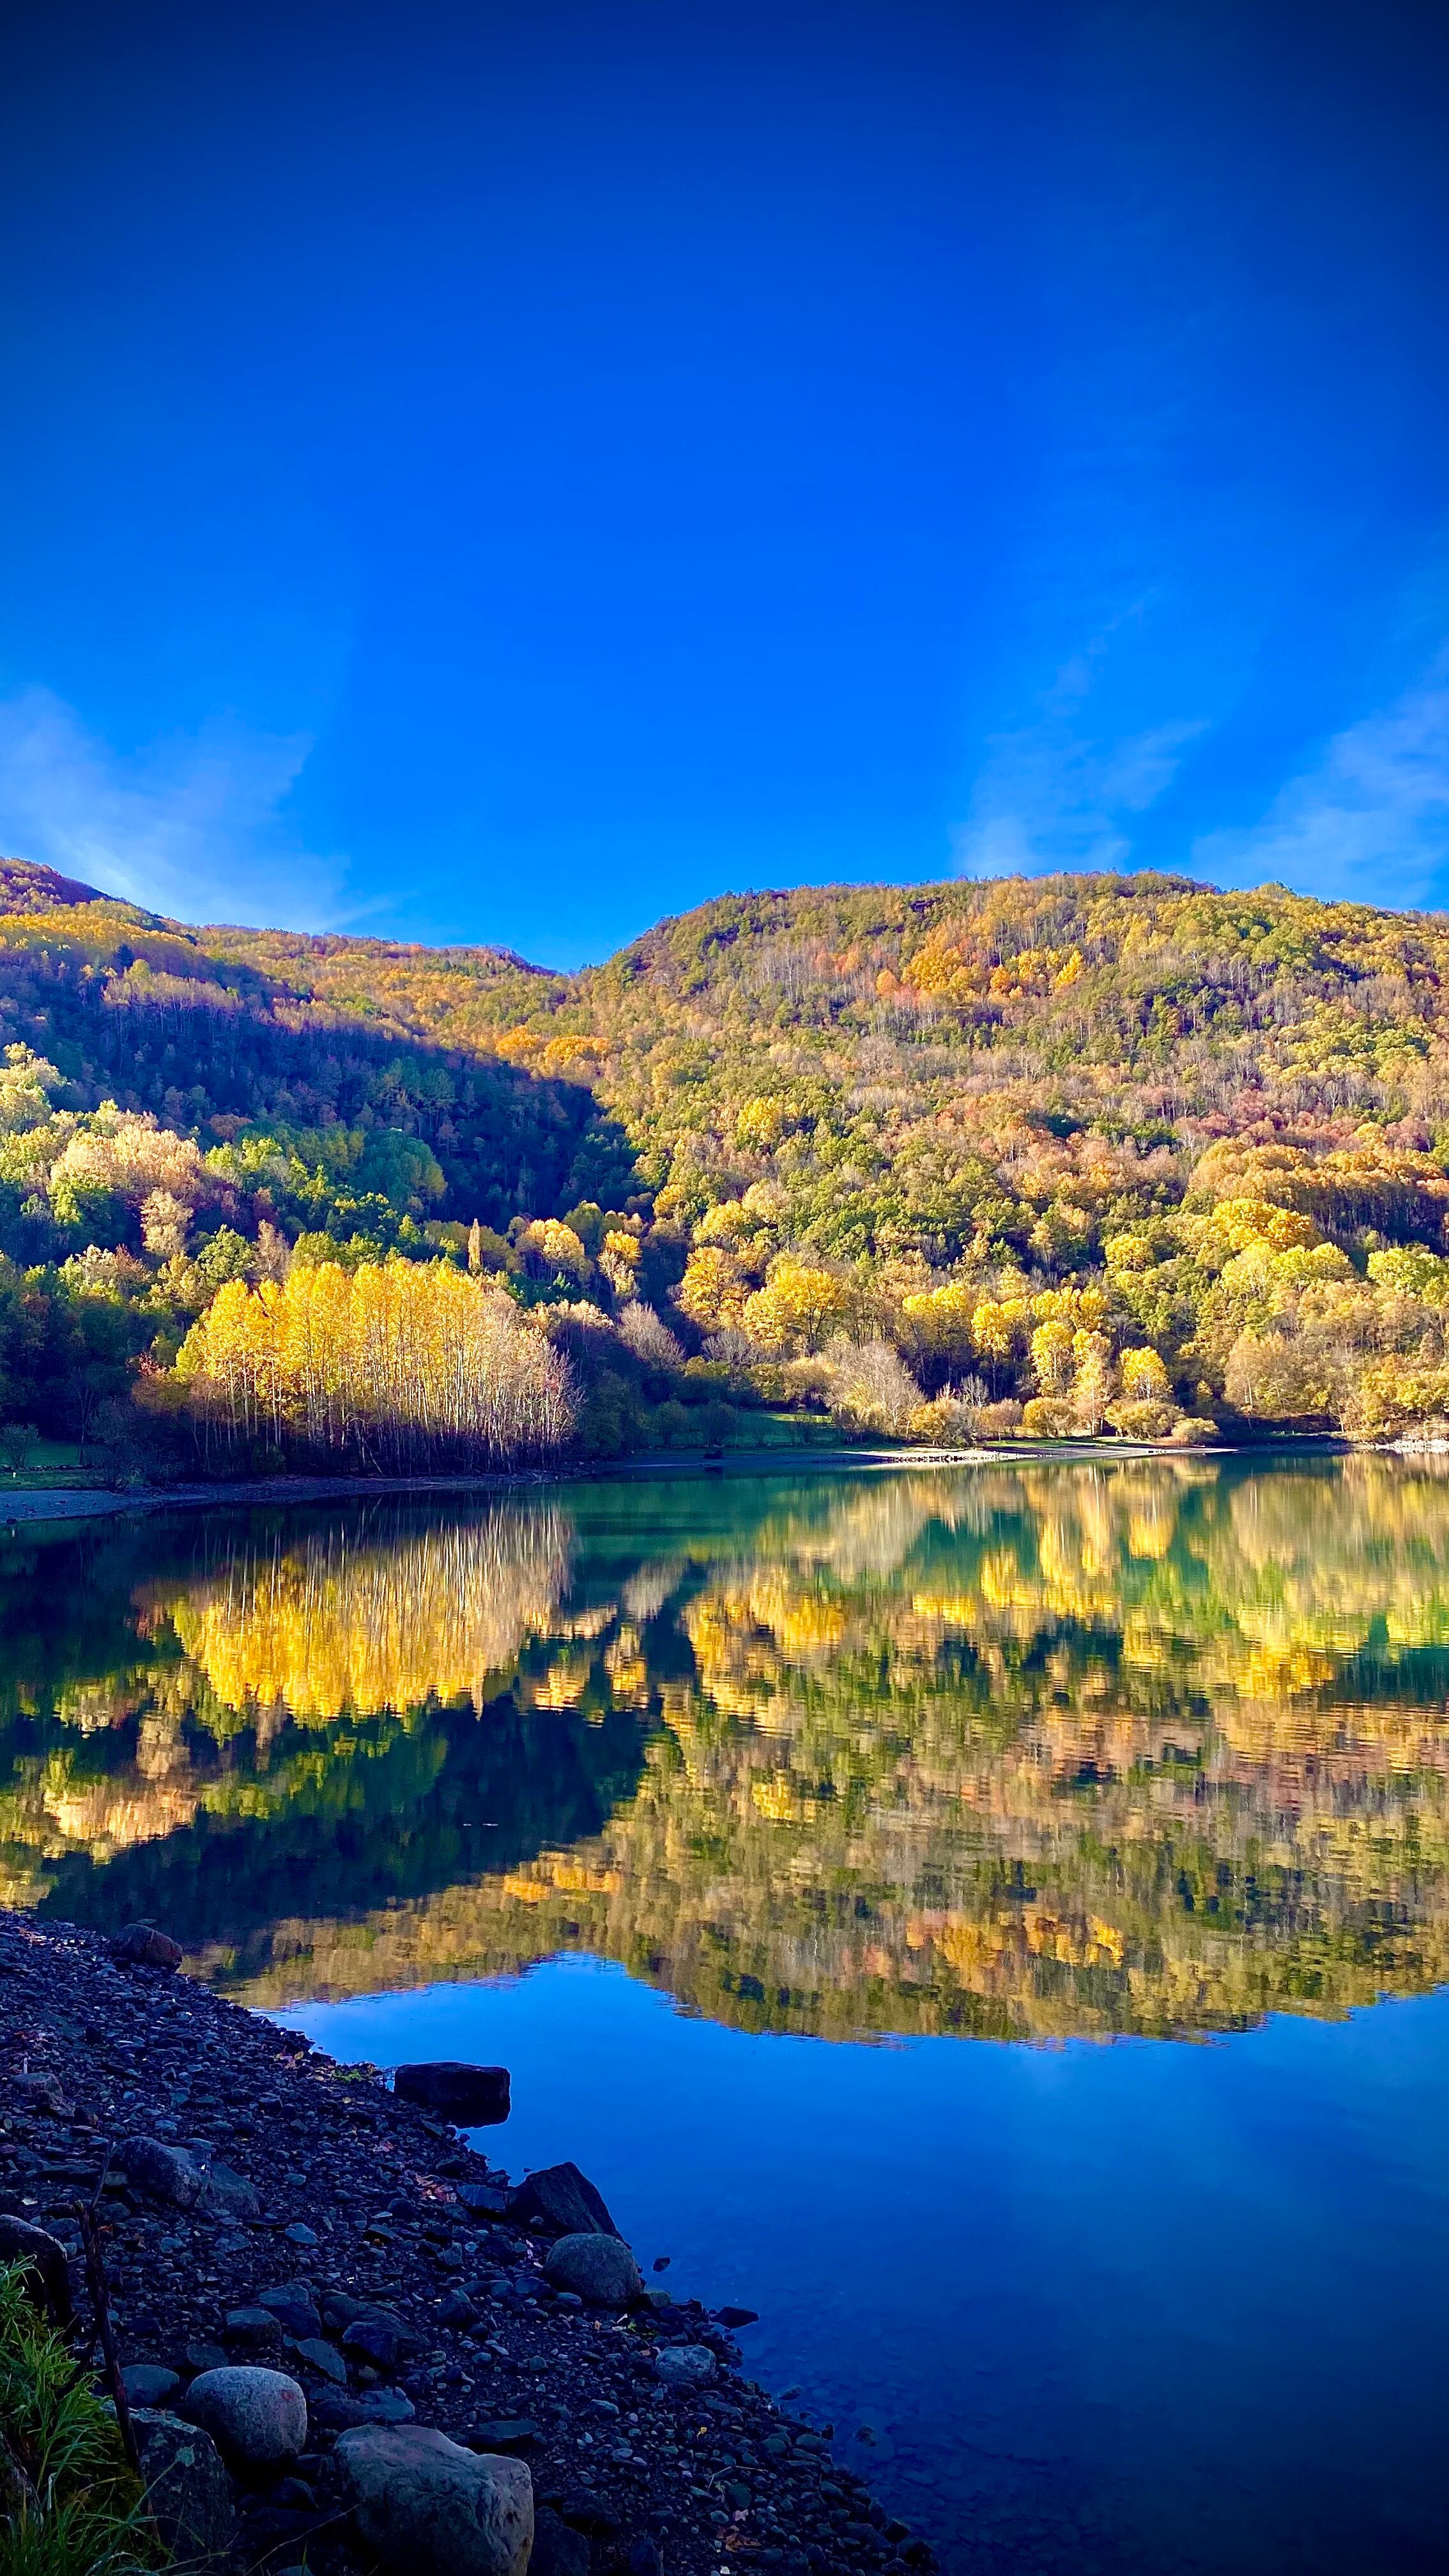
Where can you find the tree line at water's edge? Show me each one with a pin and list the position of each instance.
(1057, 1158)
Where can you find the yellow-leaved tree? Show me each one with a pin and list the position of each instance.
(399, 1364)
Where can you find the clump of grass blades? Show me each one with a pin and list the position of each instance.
(69, 2505)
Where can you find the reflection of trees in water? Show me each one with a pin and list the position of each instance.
(1141, 1747)
(393, 1813)
(309, 1684)
(347, 1624)
(1086, 1750)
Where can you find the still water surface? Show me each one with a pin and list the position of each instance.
(800, 1843)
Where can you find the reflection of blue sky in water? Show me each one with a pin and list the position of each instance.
(1130, 2310)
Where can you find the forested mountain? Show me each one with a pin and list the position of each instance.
(1063, 1154)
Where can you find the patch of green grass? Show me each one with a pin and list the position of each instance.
(69, 2505)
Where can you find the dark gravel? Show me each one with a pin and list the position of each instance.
(360, 2207)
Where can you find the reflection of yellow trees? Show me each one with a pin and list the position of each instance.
(1033, 1752)
(346, 1621)
(1046, 1750)
(338, 1624)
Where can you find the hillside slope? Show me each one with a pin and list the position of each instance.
(1090, 1144)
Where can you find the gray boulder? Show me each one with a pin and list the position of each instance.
(162, 2172)
(316, 2355)
(600, 2269)
(426, 2507)
(685, 2365)
(257, 2417)
(188, 2492)
(429, 2508)
(229, 2195)
(147, 2384)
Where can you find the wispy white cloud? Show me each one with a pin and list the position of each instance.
(196, 827)
(1368, 820)
(1053, 793)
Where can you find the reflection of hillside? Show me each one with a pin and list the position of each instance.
(1095, 1874)
(1036, 1750)
(287, 1730)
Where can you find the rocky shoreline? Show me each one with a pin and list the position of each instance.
(349, 2342)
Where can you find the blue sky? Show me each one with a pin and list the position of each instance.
(508, 473)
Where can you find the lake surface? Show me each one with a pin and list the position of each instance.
(994, 1921)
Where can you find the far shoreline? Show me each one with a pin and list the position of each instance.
(30, 1504)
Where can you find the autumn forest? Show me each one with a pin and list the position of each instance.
(1067, 1158)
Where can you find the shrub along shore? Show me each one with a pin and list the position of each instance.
(343, 2340)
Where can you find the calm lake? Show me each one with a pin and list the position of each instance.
(993, 1921)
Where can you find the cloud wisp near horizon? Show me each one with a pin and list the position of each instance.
(196, 828)
(1366, 822)
(199, 828)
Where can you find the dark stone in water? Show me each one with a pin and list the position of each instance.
(732, 2317)
(475, 2097)
(142, 1946)
(562, 2202)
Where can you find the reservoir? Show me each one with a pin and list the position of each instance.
(993, 1921)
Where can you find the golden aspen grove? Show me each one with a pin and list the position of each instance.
(399, 1364)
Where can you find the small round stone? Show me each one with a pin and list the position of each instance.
(600, 2269)
(257, 2417)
